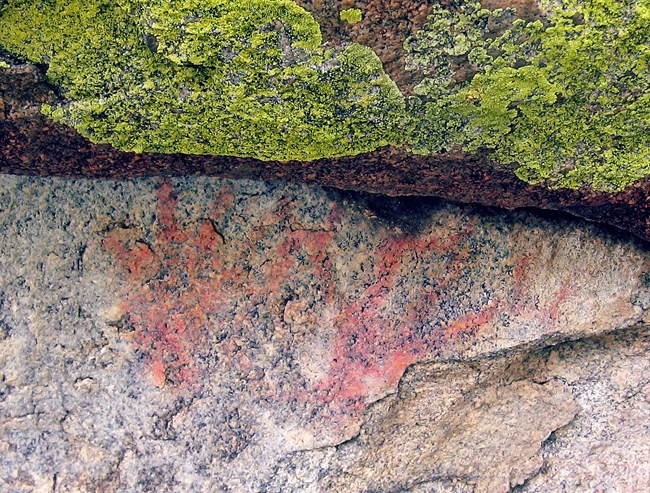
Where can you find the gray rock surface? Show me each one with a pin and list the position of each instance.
(210, 335)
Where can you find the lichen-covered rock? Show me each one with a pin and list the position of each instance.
(207, 335)
(556, 91)
(222, 78)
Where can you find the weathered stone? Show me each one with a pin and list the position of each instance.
(428, 79)
(35, 145)
(496, 428)
(450, 426)
(211, 335)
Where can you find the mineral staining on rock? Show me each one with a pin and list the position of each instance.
(319, 310)
(564, 101)
(257, 321)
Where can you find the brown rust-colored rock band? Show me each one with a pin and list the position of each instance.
(31, 144)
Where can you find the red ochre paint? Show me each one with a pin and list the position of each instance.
(372, 351)
(181, 283)
(176, 284)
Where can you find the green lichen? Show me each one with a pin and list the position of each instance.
(565, 101)
(242, 78)
(568, 102)
(448, 40)
(351, 16)
(4, 64)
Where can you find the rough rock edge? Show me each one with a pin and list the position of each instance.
(503, 369)
(31, 144)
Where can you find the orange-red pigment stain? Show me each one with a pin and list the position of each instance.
(372, 349)
(189, 277)
(177, 284)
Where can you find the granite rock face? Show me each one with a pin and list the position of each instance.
(201, 334)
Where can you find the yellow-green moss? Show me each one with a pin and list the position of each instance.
(242, 78)
(351, 16)
(565, 102)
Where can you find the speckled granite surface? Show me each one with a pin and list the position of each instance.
(201, 334)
